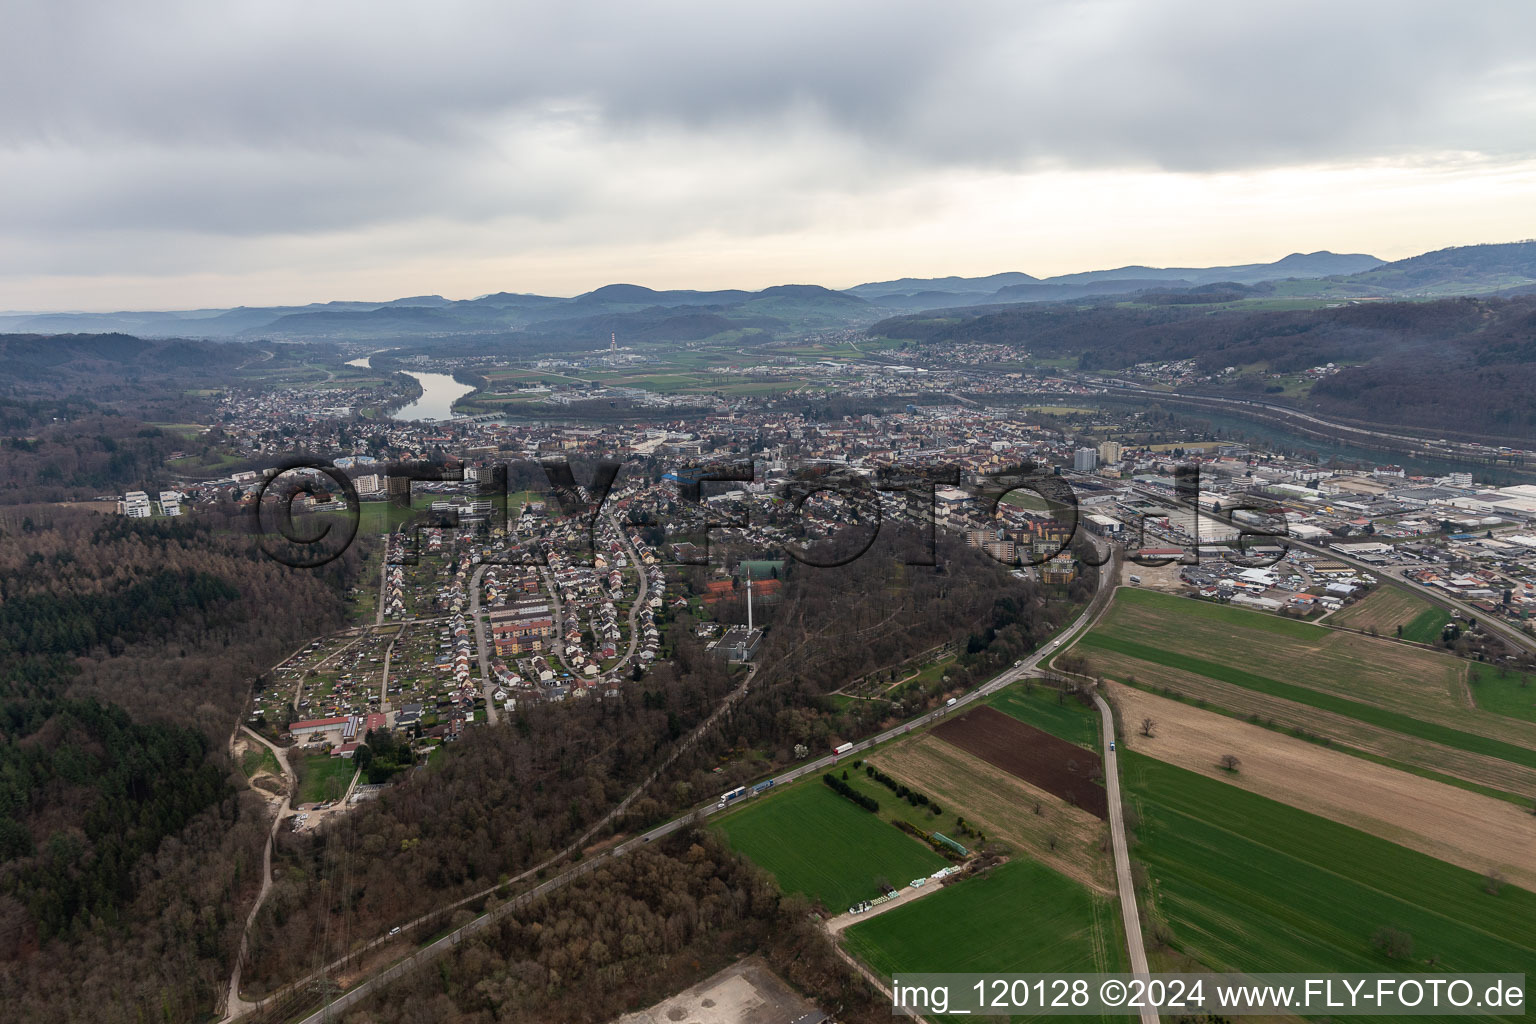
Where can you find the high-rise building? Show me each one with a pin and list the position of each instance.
(1109, 452)
(1086, 460)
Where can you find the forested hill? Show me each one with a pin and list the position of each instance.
(1468, 363)
(127, 649)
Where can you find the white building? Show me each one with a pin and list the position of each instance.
(170, 502)
(135, 505)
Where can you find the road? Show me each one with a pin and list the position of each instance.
(1433, 595)
(447, 942)
(637, 604)
(1122, 855)
(488, 685)
(454, 937)
(1394, 574)
(362, 990)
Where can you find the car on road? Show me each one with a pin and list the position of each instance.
(1111, 744)
(1055, 643)
(394, 931)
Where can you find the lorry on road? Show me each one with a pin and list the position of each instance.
(727, 797)
(842, 748)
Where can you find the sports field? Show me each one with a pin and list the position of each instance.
(1394, 686)
(1021, 917)
(323, 777)
(1390, 609)
(822, 845)
(1247, 883)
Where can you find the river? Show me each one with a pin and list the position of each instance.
(438, 393)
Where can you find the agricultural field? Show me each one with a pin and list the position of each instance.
(1047, 708)
(1160, 639)
(1020, 916)
(1245, 883)
(1002, 807)
(1390, 609)
(820, 844)
(1474, 831)
(1037, 757)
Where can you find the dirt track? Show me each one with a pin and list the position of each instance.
(1448, 823)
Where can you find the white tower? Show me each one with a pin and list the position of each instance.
(749, 600)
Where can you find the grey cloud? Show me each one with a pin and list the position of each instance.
(270, 118)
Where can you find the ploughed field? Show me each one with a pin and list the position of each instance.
(1060, 768)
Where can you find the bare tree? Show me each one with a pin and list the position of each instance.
(1147, 725)
(1393, 942)
(1230, 762)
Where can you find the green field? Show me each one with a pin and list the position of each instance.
(822, 845)
(1248, 884)
(1390, 609)
(1504, 692)
(257, 758)
(323, 777)
(1041, 708)
(1394, 686)
(1022, 917)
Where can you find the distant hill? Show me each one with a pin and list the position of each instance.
(1464, 363)
(929, 293)
(1464, 270)
(1468, 270)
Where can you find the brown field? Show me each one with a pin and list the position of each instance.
(1450, 824)
(1482, 769)
(1383, 611)
(1001, 805)
(1037, 757)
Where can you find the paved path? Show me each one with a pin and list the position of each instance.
(1122, 855)
(637, 604)
(487, 683)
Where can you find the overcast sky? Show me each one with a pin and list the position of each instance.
(168, 155)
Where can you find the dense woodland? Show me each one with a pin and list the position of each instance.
(127, 847)
(1464, 363)
(624, 936)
